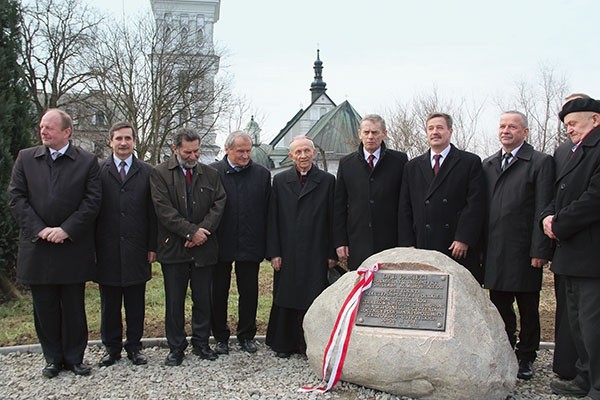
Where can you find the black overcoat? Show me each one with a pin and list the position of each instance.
(45, 193)
(300, 232)
(126, 226)
(515, 198)
(435, 211)
(366, 204)
(575, 207)
(243, 228)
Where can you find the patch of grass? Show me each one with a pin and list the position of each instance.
(17, 316)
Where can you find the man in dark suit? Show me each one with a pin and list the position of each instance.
(189, 200)
(242, 238)
(442, 201)
(55, 194)
(519, 186)
(564, 356)
(366, 195)
(125, 245)
(299, 245)
(573, 221)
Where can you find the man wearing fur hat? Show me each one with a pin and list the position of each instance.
(573, 221)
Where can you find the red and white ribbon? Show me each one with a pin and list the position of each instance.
(340, 335)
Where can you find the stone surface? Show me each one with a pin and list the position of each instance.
(471, 359)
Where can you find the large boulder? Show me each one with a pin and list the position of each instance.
(469, 358)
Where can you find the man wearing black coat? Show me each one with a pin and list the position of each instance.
(242, 239)
(54, 194)
(573, 221)
(299, 245)
(125, 245)
(442, 201)
(519, 186)
(366, 195)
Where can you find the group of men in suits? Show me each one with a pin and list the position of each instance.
(499, 219)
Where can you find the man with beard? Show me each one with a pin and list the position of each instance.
(299, 245)
(573, 221)
(442, 201)
(189, 201)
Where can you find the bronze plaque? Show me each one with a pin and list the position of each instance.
(407, 301)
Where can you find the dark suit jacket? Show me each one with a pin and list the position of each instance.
(366, 203)
(515, 199)
(300, 232)
(435, 211)
(168, 190)
(575, 208)
(45, 193)
(126, 226)
(243, 228)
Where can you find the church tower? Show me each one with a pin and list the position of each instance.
(193, 20)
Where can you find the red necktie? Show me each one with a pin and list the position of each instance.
(188, 176)
(436, 163)
(371, 158)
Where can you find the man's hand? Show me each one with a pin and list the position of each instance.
(538, 262)
(151, 257)
(331, 263)
(53, 235)
(276, 263)
(547, 224)
(459, 249)
(199, 238)
(342, 252)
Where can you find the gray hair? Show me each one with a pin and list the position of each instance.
(520, 114)
(230, 141)
(374, 118)
(189, 135)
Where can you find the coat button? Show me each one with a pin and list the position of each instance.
(447, 226)
(427, 226)
(562, 186)
(444, 201)
(372, 201)
(426, 202)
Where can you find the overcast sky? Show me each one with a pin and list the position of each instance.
(377, 53)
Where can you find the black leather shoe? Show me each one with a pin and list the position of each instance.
(222, 348)
(525, 370)
(51, 370)
(205, 352)
(174, 358)
(248, 346)
(568, 388)
(282, 354)
(109, 359)
(79, 369)
(137, 358)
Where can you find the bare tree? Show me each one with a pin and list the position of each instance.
(160, 80)
(540, 102)
(58, 36)
(406, 123)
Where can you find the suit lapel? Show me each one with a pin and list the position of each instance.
(447, 166)
(291, 178)
(312, 182)
(425, 168)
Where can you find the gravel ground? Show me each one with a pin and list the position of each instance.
(236, 376)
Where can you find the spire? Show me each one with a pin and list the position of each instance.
(318, 86)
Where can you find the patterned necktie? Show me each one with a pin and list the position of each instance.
(436, 163)
(188, 176)
(505, 160)
(371, 163)
(122, 172)
(55, 155)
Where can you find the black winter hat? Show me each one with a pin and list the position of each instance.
(577, 105)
